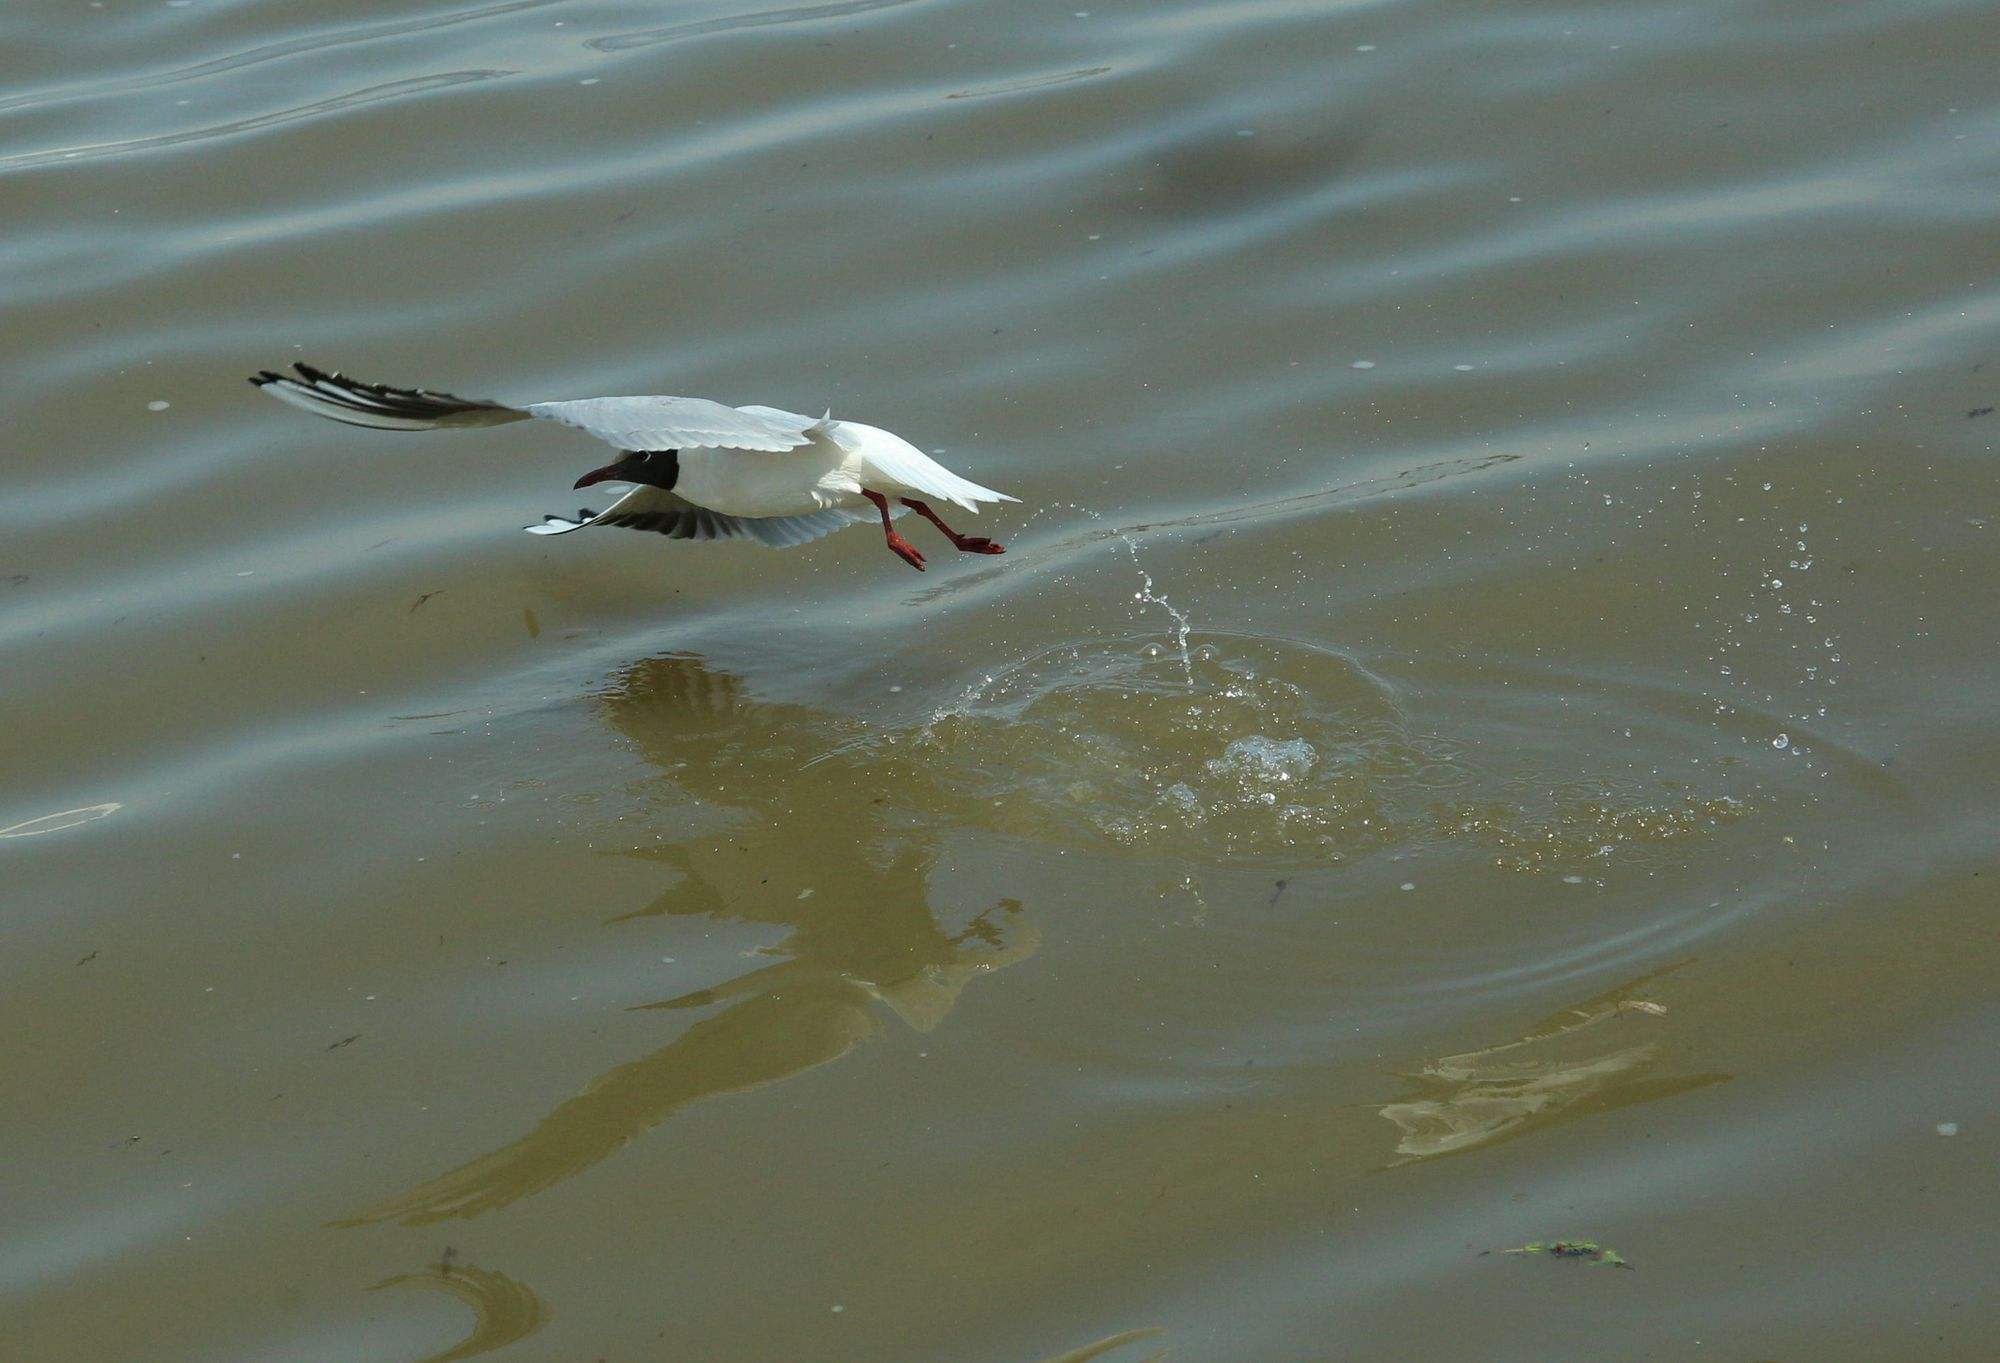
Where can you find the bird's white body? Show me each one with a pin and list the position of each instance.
(701, 470)
(759, 485)
(829, 471)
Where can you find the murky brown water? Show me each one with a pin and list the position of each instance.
(1557, 436)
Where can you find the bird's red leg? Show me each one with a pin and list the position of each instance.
(901, 547)
(966, 544)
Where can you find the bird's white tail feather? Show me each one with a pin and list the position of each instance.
(964, 490)
(898, 460)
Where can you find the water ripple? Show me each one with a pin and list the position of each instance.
(291, 47)
(373, 94)
(1029, 83)
(797, 14)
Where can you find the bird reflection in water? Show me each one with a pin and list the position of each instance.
(851, 887)
(1112, 1344)
(1580, 1060)
(504, 1312)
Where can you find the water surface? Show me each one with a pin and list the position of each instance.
(1485, 731)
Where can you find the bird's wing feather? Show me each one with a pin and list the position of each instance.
(379, 406)
(897, 459)
(805, 424)
(666, 423)
(667, 513)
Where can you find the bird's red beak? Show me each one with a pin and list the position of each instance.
(599, 475)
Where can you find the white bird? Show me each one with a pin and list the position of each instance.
(703, 471)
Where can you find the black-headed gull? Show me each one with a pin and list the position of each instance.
(704, 471)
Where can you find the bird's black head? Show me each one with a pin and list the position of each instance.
(655, 468)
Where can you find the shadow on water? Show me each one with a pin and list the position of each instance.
(853, 893)
(1214, 172)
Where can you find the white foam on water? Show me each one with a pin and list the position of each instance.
(1266, 759)
(1227, 748)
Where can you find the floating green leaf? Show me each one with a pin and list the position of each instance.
(1573, 1249)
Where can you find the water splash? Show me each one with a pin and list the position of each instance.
(1147, 596)
(1148, 593)
(1241, 749)
(1777, 622)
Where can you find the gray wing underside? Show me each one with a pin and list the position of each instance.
(667, 423)
(665, 513)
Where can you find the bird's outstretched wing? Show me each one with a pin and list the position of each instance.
(379, 406)
(642, 423)
(667, 513)
(664, 423)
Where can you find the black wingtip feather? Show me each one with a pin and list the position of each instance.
(374, 399)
